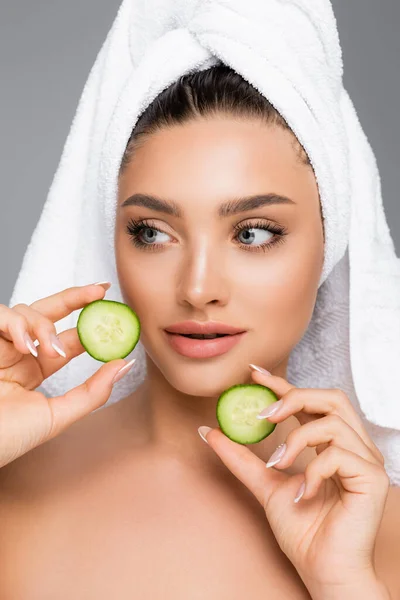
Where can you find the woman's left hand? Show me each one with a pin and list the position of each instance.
(329, 535)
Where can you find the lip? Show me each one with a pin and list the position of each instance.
(204, 328)
(193, 348)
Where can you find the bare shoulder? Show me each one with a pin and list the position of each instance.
(55, 500)
(63, 460)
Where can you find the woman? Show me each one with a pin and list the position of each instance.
(128, 501)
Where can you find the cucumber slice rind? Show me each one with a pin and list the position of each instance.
(236, 410)
(108, 330)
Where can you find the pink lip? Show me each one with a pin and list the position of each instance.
(203, 327)
(202, 348)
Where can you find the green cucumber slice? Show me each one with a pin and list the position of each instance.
(108, 330)
(237, 408)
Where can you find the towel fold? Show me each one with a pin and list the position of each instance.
(290, 51)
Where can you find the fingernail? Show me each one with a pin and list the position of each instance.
(105, 284)
(276, 456)
(57, 345)
(270, 410)
(203, 430)
(30, 344)
(300, 491)
(123, 371)
(260, 370)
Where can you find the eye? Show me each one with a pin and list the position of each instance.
(259, 236)
(251, 234)
(144, 235)
(149, 235)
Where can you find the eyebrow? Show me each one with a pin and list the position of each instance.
(232, 207)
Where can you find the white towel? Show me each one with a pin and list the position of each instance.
(290, 51)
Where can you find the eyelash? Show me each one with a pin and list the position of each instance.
(134, 229)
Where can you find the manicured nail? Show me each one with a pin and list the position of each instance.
(276, 456)
(30, 344)
(260, 370)
(123, 371)
(270, 410)
(203, 430)
(57, 345)
(106, 284)
(300, 492)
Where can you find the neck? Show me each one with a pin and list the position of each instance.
(171, 419)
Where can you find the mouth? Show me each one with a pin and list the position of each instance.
(200, 336)
(197, 345)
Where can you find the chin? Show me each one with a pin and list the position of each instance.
(208, 381)
(197, 388)
(208, 377)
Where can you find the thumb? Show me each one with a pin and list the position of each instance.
(83, 399)
(244, 464)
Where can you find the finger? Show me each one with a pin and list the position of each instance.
(331, 430)
(42, 329)
(12, 329)
(309, 404)
(45, 366)
(83, 399)
(279, 385)
(356, 475)
(59, 305)
(14, 325)
(245, 465)
(73, 348)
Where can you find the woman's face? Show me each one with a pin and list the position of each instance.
(208, 263)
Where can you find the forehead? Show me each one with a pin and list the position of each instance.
(216, 158)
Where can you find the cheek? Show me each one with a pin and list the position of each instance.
(140, 288)
(142, 280)
(279, 295)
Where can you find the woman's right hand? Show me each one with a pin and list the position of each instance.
(27, 417)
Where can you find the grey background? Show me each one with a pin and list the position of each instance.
(47, 48)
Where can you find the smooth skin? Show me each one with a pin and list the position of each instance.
(129, 495)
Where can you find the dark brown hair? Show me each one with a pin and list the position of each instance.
(212, 91)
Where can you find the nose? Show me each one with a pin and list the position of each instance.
(203, 279)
